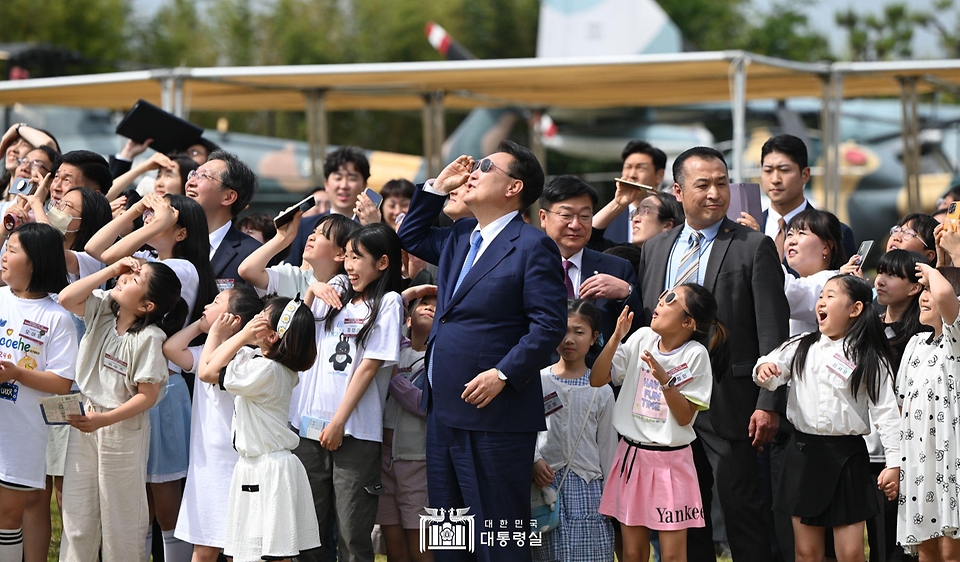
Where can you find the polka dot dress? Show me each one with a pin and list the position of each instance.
(929, 438)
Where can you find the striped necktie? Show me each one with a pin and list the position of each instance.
(690, 263)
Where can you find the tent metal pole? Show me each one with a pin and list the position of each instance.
(317, 133)
(739, 111)
(911, 145)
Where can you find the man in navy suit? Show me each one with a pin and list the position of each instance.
(501, 311)
(609, 282)
(223, 187)
(345, 174)
(784, 172)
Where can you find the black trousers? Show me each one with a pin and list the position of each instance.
(733, 464)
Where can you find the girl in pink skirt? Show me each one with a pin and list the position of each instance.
(666, 377)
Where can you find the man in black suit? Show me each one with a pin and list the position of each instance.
(566, 213)
(345, 174)
(223, 187)
(740, 266)
(784, 172)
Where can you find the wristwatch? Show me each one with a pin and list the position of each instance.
(671, 383)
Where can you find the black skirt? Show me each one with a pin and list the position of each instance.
(826, 480)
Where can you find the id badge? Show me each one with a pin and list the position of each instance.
(225, 284)
(680, 375)
(9, 391)
(33, 332)
(841, 366)
(551, 403)
(310, 427)
(114, 364)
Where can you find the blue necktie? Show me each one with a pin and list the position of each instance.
(471, 257)
(476, 240)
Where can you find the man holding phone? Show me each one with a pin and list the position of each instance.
(345, 174)
(642, 164)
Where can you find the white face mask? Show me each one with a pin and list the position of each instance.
(60, 220)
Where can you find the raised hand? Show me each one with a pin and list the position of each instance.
(454, 175)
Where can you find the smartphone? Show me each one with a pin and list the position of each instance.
(953, 213)
(22, 186)
(636, 185)
(288, 214)
(374, 196)
(864, 251)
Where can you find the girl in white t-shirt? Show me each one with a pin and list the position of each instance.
(121, 372)
(666, 374)
(323, 256)
(577, 449)
(339, 405)
(37, 356)
(270, 515)
(175, 227)
(202, 521)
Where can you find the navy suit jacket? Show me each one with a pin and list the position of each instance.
(509, 313)
(617, 229)
(610, 309)
(235, 248)
(848, 242)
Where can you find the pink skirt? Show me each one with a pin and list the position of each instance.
(656, 489)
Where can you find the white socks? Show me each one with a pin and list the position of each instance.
(11, 545)
(175, 550)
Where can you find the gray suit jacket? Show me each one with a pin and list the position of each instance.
(744, 274)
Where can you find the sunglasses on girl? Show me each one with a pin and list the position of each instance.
(485, 166)
(668, 297)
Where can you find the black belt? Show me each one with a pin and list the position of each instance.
(637, 445)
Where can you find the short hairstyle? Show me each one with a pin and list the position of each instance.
(238, 177)
(788, 145)
(38, 241)
(526, 168)
(628, 252)
(701, 152)
(244, 302)
(643, 147)
(93, 167)
(297, 347)
(344, 155)
(336, 228)
(261, 222)
(51, 154)
(398, 188)
(94, 214)
(670, 209)
(825, 226)
(566, 187)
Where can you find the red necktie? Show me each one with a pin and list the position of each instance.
(566, 279)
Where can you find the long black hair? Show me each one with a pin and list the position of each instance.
(195, 248)
(825, 226)
(374, 240)
(94, 215)
(864, 343)
(297, 347)
(163, 290)
(701, 305)
(902, 264)
(338, 229)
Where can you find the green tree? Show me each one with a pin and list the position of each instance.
(176, 35)
(882, 37)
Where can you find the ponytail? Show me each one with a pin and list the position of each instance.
(709, 332)
(163, 290)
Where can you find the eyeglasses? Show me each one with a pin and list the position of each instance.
(643, 210)
(34, 164)
(583, 218)
(62, 205)
(907, 234)
(668, 297)
(485, 166)
(201, 176)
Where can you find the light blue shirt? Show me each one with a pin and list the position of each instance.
(683, 243)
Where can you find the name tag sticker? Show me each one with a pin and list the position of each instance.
(310, 427)
(9, 391)
(33, 332)
(551, 403)
(114, 364)
(841, 366)
(351, 326)
(680, 374)
(224, 284)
